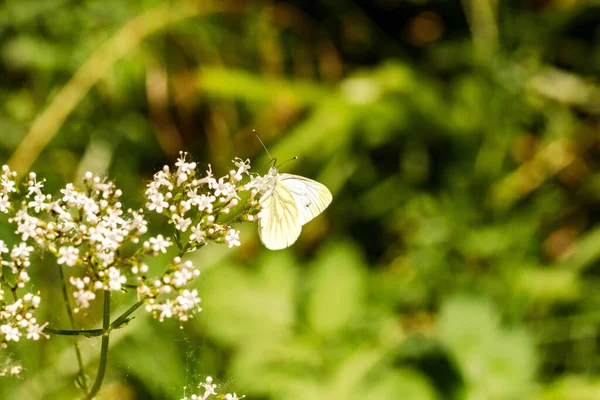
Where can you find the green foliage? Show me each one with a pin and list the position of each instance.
(496, 363)
(460, 256)
(312, 343)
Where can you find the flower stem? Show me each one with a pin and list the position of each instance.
(123, 317)
(82, 332)
(104, 348)
(116, 324)
(82, 379)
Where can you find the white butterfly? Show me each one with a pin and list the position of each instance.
(288, 202)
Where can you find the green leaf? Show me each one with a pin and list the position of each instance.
(571, 387)
(496, 363)
(243, 306)
(405, 384)
(337, 289)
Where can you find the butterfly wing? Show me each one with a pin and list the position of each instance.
(280, 224)
(311, 197)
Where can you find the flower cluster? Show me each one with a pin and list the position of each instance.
(210, 389)
(99, 243)
(195, 204)
(17, 320)
(11, 368)
(17, 317)
(174, 280)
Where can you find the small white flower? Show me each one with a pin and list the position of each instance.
(10, 333)
(8, 184)
(38, 203)
(4, 203)
(243, 168)
(188, 300)
(203, 201)
(184, 167)
(83, 298)
(157, 202)
(181, 224)
(21, 252)
(68, 255)
(209, 387)
(116, 280)
(35, 331)
(232, 238)
(198, 234)
(33, 186)
(223, 188)
(159, 244)
(16, 370)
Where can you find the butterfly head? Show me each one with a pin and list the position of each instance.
(273, 171)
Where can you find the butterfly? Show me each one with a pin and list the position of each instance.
(289, 202)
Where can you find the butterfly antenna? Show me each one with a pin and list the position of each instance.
(263, 145)
(291, 159)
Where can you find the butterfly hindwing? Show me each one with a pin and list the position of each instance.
(311, 197)
(280, 224)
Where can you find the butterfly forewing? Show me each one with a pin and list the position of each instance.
(280, 225)
(310, 196)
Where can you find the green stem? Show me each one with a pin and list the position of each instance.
(123, 317)
(116, 324)
(82, 332)
(82, 379)
(177, 238)
(13, 290)
(104, 348)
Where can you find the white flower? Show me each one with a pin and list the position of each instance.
(243, 168)
(184, 167)
(83, 298)
(16, 370)
(4, 203)
(188, 300)
(157, 202)
(181, 224)
(232, 238)
(10, 333)
(204, 202)
(161, 178)
(198, 234)
(26, 224)
(35, 331)
(223, 188)
(21, 252)
(209, 387)
(166, 310)
(181, 178)
(116, 280)
(33, 186)
(8, 184)
(68, 255)
(158, 244)
(38, 203)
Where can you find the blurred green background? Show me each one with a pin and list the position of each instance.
(460, 258)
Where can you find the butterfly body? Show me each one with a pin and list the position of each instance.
(289, 201)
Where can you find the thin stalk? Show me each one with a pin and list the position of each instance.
(82, 332)
(104, 348)
(13, 290)
(121, 319)
(82, 380)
